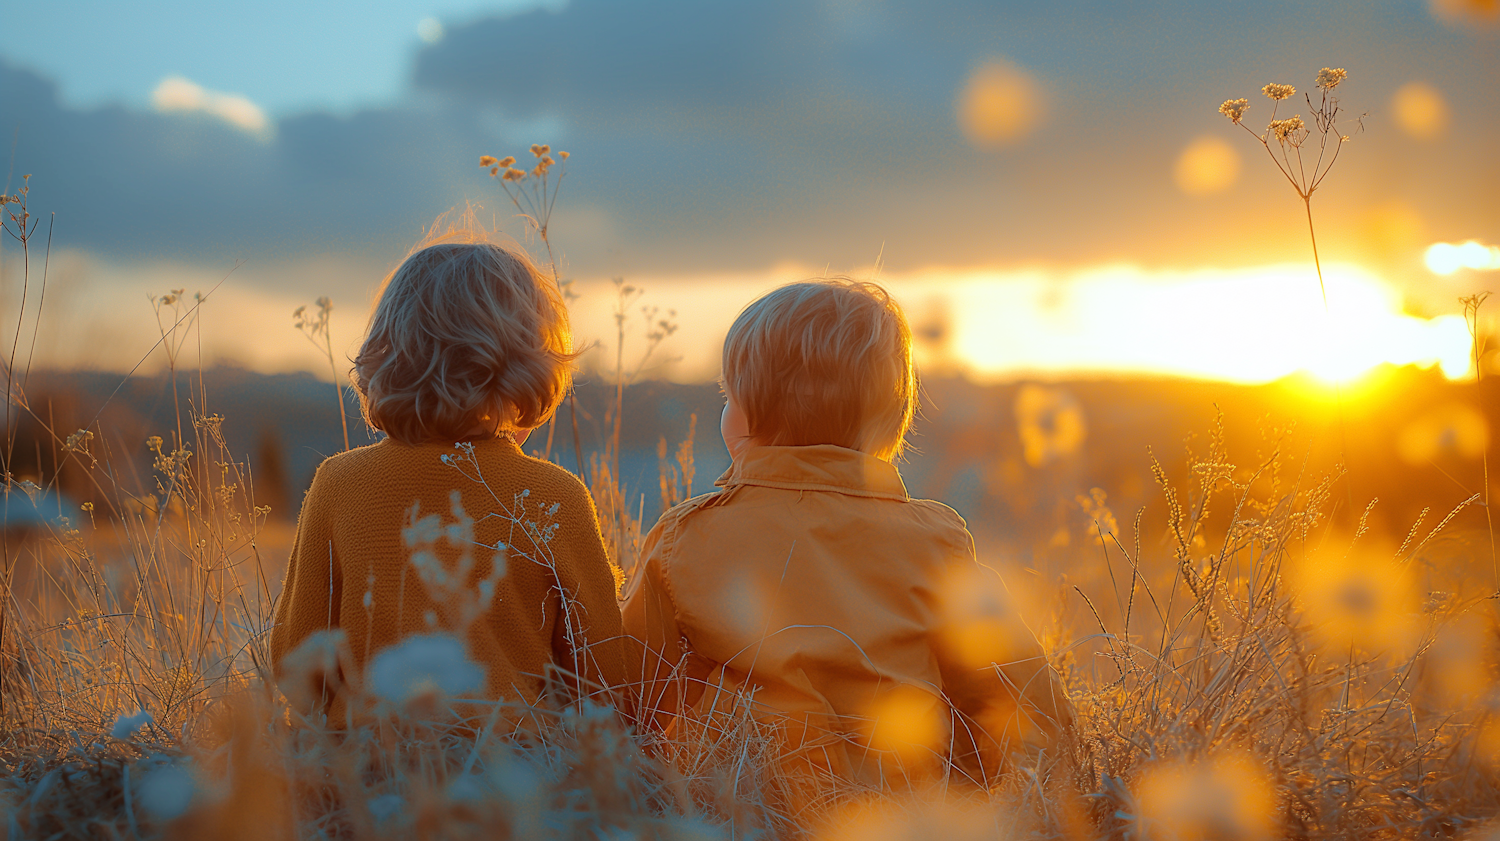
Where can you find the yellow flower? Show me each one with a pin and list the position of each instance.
(494, 170)
(540, 149)
(563, 155)
(486, 160)
(1278, 92)
(1329, 77)
(506, 161)
(513, 174)
(1234, 109)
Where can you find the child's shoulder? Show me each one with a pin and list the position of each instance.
(351, 463)
(943, 522)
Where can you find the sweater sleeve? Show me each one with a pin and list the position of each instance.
(654, 639)
(312, 589)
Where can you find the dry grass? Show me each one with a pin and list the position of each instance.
(1242, 680)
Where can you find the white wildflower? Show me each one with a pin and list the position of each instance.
(166, 790)
(385, 806)
(128, 725)
(424, 665)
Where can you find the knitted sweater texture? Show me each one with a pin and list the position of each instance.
(383, 526)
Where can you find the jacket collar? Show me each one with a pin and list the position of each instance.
(820, 467)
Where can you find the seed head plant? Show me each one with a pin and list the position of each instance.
(1286, 141)
(317, 327)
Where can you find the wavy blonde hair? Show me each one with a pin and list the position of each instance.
(466, 333)
(825, 361)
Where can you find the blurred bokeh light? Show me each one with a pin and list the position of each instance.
(1421, 111)
(1206, 166)
(1451, 429)
(1001, 104)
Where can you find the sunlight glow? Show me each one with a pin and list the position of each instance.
(1250, 326)
(1445, 258)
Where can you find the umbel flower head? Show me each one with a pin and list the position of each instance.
(1278, 92)
(1329, 77)
(1234, 109)
(1288, 128)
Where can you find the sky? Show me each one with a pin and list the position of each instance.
(718, 148)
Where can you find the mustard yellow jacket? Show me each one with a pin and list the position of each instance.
(814, 592)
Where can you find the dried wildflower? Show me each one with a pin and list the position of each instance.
(513, 174)
(1329, 77)
(1278, 92)
(506, 161)
(1288, 128)
(486, 160)
(494, 170)
(563, 155)
(1234, 109)
(540, 149)
(78, 442)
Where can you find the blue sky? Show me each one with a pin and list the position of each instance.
(288, 57)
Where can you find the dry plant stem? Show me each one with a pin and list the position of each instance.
(338, 386)
(1325, 116)
(1471, 305)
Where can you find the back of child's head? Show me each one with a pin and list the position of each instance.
(824, 362)
(466, 335)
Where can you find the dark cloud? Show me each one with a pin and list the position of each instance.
(725, 135)
(190, 187)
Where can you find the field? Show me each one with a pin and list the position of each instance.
(1271, 607)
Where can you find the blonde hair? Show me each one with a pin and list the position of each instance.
(824, 361)
(465, 333)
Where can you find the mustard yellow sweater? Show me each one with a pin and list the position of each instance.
(375, 520)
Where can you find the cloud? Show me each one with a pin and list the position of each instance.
(734, 135)
(178, 94)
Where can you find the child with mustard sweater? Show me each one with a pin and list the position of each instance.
(468, 344)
